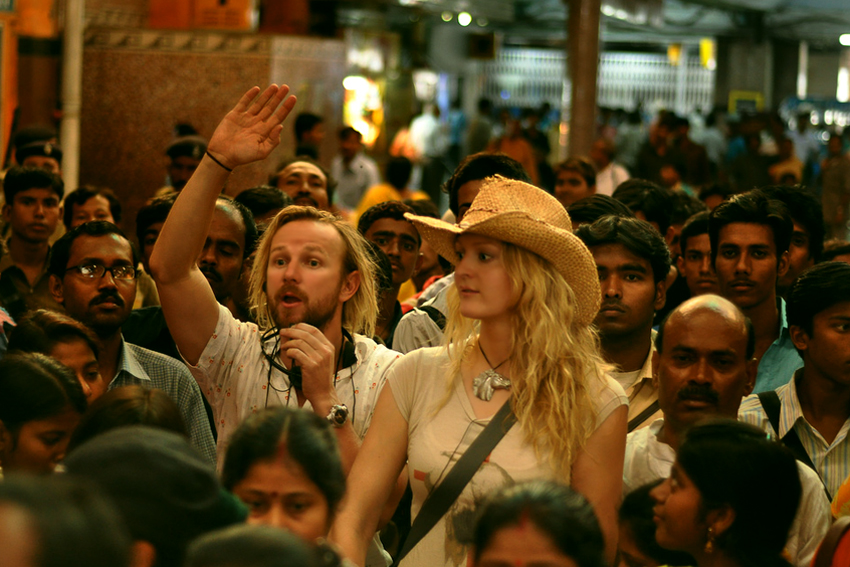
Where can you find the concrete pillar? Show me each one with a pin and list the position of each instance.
(72, 87)
(744, 65)
(803, 70)
(582, 67)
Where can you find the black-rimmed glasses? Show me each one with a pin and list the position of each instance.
(96, 271)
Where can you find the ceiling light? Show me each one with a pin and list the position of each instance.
(844, 39)
(464, 19)
(447, 16)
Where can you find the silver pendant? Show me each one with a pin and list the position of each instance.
(487, 382)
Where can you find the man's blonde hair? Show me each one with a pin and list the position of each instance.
(361, 311)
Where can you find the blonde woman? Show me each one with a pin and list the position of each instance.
(526, 291)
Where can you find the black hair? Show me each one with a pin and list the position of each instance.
(648, 198)
(128, 405)
(309, 442)
(580, 165)
(34, 387)
(250, 546)
(57, 263)
(83, 194)
(638, 237)
(156, 210)
(558, 511)
(596, 206)
(817, 289)
(384, 269)
(805, 208)
(41, 330)
(684, 206)
(20, 179)
(485, 107)
(305, 122)
(728, 462)
(723, 190)
(398, 172)
(347, 131)
(748, 323)
(423, 207)
(263, 199)
(387, 210)
(636, 511)
(752, 207)
(251, 233)
(331, 182)
(834, 248)
(481, 166)
(696, 225)
(72, 523)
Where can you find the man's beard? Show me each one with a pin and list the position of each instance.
(316, 312)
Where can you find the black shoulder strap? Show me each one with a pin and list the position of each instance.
(650, 410)
(773, 408)
(436, 315)
(10, 297)
(445, 494)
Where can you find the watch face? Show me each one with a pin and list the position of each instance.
(338, 415)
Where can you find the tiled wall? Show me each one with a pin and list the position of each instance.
(138, 84)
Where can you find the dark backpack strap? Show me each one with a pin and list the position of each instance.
(448, 491)
(10, 297)
(773, 408)
(650, 410)
(435, 314)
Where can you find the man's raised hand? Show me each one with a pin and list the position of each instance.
(251, 130)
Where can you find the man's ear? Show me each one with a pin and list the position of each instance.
(660, 294)
(680, 264)
(419, 261)
(783, 265)
(57, 289)
(349, 286)
(7, 212)
(799, 337)
(7, 441)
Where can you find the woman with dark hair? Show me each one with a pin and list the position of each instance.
(731, 497)
(537, 523)
(65, 339)
(128, 405)
(40, 405)
(637, 544)
(250, 546)
(284, 464)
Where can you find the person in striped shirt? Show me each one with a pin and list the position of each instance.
(815, 404)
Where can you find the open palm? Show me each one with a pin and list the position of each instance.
(251, 130)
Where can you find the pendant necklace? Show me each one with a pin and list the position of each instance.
(490, 380)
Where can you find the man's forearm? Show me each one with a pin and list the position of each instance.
(185, 230)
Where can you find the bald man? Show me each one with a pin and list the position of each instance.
(705, 366)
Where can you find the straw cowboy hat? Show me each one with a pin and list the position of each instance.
(522, 214)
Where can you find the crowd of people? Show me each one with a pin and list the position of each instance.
(638, 357)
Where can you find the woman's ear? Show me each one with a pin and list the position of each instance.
(721, 519)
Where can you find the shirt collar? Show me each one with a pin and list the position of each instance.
(791, 409)
(127, 362)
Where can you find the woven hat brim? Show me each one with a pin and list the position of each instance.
(560, 247)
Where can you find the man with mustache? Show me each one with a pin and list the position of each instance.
(32, 211)
(632, 261)
(93, 275)
(306, 182)
(704, 368)
(750, 235)
(231, 239)
(385, 226)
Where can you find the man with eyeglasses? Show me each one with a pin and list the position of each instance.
(93, 274)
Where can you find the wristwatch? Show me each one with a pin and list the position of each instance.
(338, 415)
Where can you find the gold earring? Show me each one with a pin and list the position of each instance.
(709, 544)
